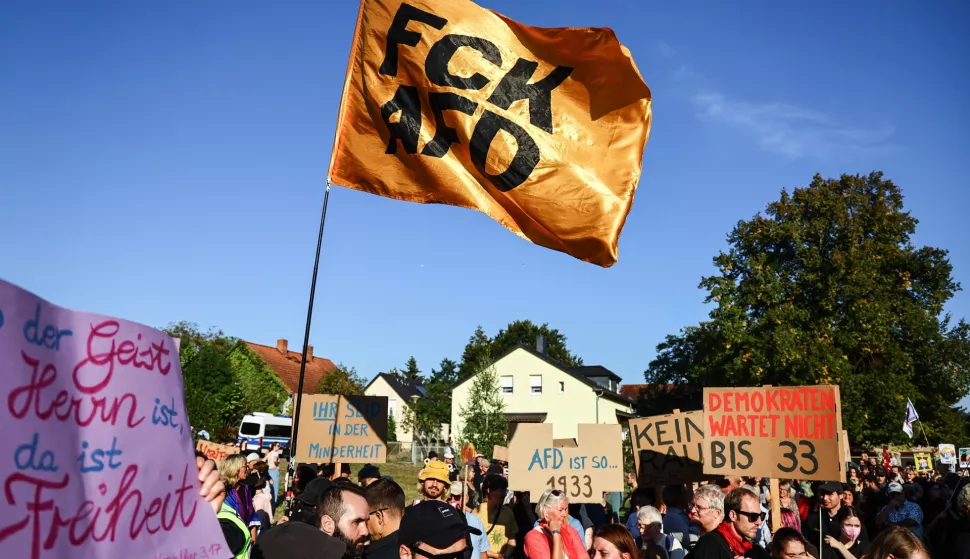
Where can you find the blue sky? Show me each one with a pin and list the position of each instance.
(165, 161)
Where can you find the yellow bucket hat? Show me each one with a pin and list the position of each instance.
(435, 470)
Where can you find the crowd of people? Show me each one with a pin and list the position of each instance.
(468, 512)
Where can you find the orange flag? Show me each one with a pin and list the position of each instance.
(541, 129)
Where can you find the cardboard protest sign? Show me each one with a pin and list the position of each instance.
(846, 450)
(948, 454)
(965, 458)
(783, 432)
(100, 459)
(583, 472)
(500, 453)
(346, 429)
(669, 449)
(924, 462)
(215, 451)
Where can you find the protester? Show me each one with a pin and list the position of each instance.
(239, 498)
(343, 514)
(951, 531)
(708, 509)
(434, 480)
(306, 505)
(656, 544)
(450, 462)
(429, 489)
(613, 542)
(789, 543)
(498, 518)
(825, 522)
(297, 540)
(554, 536)
(676, 522)
(901, 511)
(385, 501)
(732, 537)
(368, 474)
(273, 462)
(789, 507)
(434, 529)
(850, 543)
(639, 499)
(897, 543)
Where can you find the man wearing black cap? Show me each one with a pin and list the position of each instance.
(434, 529)
(368, 475)
(825, 522)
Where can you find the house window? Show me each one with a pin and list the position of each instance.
(562, 387)
(507, 385)
(535, 384)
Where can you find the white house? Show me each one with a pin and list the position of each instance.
(400, 393)
(538, 389)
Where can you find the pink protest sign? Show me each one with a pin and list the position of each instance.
(96, 456)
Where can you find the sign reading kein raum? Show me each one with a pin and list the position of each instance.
(98, 450)
(348, 429)
(774, 431)
(583, 471)
(669, 449)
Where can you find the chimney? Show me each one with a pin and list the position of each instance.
(281, 345)
(309, 354)
(541, 344)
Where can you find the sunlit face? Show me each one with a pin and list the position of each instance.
(831, 500)
(848, 499)
(704, 515)
(748, 519)
(794, 549)
(433, 488)
(603, 549)
(353, 523)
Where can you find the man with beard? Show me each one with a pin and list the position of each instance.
(434, 529)
(434, 480)
(343, 514)
(433, 489)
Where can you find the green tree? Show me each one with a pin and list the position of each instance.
(343, 380)
(223, 379)
(391, 428)
(483, 421)
(411, 370)
(828, 288)
(522, 332)
(427, 415)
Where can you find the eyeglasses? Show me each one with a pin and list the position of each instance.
(373, 512)
(700, 508)
(642, 526)
(752, 516)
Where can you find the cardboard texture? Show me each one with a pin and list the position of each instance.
(215, 451)
(342, 429)
(500, 453)
(583, 472)
(669, 449)
(846, 449)
(784, 432)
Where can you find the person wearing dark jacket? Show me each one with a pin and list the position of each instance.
(385, 499)
(826, 523)
(733, 537)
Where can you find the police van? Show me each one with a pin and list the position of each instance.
(260, 430)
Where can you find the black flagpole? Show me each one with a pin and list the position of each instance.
(306, 334)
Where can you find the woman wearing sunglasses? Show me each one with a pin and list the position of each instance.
(553, 537)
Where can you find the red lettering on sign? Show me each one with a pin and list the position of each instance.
(161, 514)
(714, 401)
(61, 406)
(100, 366)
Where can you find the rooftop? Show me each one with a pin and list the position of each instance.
(286, 364)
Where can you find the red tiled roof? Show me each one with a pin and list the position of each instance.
(287, 366)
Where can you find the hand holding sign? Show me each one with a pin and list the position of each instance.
(96, 468)
(583, 472)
